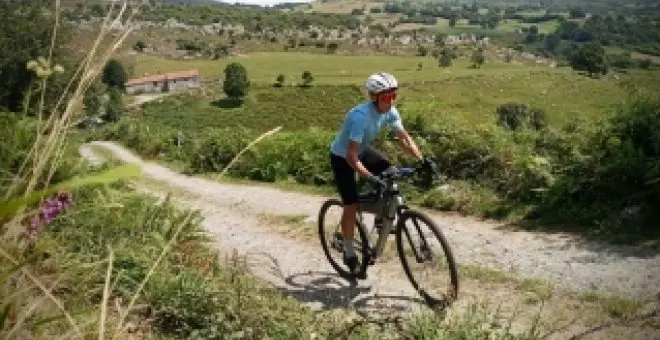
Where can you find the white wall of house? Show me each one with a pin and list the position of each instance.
(158, 86)
(182, 84)
(150, 87)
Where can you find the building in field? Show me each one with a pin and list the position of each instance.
(171, 81)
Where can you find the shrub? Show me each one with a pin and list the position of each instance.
(515, 116)
(236, 83)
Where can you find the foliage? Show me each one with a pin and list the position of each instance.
(93, 99)
(235, 83)
(279, 81)
(307, 78)
(614, 178)
(515, 116)
(114, 74)
(446, 57)
(114, 106)
(254, 19)
(590, 58)
(477, 58)
(25, 34)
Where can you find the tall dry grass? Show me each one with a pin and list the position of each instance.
(38, 167)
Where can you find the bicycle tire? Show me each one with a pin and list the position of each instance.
(401, 228)
(361, 233)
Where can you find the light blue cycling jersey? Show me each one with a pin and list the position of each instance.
(362, 124)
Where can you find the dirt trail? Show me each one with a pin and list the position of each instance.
(300, 269)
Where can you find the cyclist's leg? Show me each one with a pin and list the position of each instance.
(376, 162)
(345, 181)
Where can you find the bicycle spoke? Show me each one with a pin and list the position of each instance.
(424, 257)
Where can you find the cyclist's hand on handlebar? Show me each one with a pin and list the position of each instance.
(378, 181)
(428, 164)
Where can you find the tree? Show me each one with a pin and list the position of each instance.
(236, 83)
(307, 78)
(590, 58)
(114, 74)
(452, 20)
(115, 105)
(332, 47)
(25, 34)
(279, 81)
(422, 51)
(93, 98)
(139, 46)
(446, 57)
(477, 58)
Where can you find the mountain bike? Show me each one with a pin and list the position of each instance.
(389, 206)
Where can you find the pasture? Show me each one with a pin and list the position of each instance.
(457, 93)
(264, 67)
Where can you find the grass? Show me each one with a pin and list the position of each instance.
(264, 67)
(471, 99)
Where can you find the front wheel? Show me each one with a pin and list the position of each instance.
(438, 281)
(332, 240)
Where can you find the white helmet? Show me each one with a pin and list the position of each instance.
(381, 81)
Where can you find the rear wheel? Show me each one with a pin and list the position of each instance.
(427, 258)
(332, 241)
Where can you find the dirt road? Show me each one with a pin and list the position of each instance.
(300, 269)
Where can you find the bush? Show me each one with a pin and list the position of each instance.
(236, 83)
(114, 74)
(307, 78)
(279, 81)
(616, 170)
(516, 116)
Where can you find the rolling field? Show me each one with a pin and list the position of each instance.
(456, 93)
(264, 67)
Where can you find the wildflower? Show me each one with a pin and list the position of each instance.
(48, 210)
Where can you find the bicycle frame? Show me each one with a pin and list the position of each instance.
(389, 206)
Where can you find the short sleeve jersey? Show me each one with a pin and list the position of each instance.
(362, 124)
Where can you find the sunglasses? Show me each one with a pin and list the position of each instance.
(388, 97)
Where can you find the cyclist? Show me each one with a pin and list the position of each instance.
(351, 150)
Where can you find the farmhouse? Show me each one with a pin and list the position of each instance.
(171, 81)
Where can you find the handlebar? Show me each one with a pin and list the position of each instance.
(396, 173)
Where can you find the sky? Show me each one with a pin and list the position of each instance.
(263, 2)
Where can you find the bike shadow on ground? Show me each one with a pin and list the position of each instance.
(329, 290)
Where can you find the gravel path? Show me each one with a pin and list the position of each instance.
(561, 259)
(299, 269)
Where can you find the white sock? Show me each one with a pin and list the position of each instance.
(348, 248)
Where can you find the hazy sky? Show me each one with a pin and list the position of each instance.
(262, 2)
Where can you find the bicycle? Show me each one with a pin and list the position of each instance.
(390, 205)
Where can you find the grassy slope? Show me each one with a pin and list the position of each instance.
(456, 93)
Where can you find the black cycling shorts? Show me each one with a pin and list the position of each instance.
(373, 160)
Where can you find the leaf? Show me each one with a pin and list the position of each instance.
(120, 172)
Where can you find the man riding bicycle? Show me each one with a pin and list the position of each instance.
(351, 150)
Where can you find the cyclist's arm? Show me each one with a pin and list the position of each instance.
(408, 144)
(354, 161)
(356, 134)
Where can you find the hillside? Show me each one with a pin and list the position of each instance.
(175, 214)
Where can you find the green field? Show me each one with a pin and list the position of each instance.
(457, 92)
(495, 173)
(264, 67)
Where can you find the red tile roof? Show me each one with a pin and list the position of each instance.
(163, 77)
